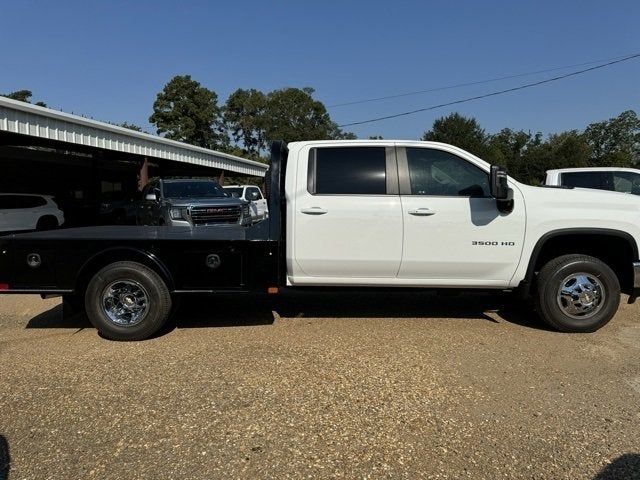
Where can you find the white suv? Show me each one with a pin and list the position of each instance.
(615, 179)
(253, 195)
(20, 212)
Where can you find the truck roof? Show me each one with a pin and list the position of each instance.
(593, 169)
(391, 142)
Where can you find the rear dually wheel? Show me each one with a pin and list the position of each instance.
(127, 301)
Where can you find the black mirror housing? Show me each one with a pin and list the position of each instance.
(498, 183)
(500, 188)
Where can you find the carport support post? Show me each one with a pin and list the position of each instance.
(143, 175)
(221, 177)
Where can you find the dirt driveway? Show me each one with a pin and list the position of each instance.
(320, 385)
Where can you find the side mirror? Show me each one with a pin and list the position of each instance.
(498, 183)
(500, 188)
(152, 197)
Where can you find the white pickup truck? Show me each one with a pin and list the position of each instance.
(615, 179)
(355, 214)
(253, 195)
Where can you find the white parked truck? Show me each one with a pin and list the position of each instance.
(355, 213)
(614, 179)
(253, 195)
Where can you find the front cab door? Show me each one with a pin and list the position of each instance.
(454, 233)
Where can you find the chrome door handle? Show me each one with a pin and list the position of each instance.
(422, 212)
(314, 211)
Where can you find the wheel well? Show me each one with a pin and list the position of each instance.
(102, 259)
(48, 218)
(618, 251)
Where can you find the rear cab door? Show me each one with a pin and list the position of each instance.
(345, 215)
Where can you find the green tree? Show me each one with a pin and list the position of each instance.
(560, 150)
(245, 117)
(508, 148)
(131, 126)
(22, 96)
(292, 114)
(188, 112)
(615, 142)
(460, 131)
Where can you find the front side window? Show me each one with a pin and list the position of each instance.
(626, 182)
(348, 171)
(253, 194)
(31, 201)
(440, 173)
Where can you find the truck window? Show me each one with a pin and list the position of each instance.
(28, 201)
(598, 180)
(235, 192)
(440, 173)
(626, 182)
(348, 171)
(7, 202)
(253, 194)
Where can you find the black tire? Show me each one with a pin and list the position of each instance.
(548, 301)
(47, 223)
(153, 288)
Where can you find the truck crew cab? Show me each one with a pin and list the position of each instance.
(373, 213)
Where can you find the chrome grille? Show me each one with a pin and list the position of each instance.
(213, 215)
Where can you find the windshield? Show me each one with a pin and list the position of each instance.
(235, 192)
(196, 189)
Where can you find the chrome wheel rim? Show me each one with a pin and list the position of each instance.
(581, 295)
(125, 302)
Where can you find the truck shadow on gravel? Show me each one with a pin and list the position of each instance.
(5, 458)
(625, 467)
(254, 310)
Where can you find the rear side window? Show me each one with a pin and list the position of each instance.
(598, 180)
(347, 171)
(7, 202)
(30, 202)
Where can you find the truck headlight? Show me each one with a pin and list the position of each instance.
(178, 213)
(245, 211)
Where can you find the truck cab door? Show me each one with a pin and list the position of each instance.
(454, 233)
(347, 216)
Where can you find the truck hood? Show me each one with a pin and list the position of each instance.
(581, 195)
(589, 207)
(218, 202)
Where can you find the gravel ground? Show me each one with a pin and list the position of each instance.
(320, 385)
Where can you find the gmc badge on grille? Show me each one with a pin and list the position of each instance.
(213, 261)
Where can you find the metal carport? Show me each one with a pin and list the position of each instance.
(83, 161)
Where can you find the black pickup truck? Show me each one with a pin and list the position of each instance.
(126, 277)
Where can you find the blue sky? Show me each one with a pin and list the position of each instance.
(108, 59)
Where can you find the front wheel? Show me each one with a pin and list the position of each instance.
(577, 293)
(127, 301)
